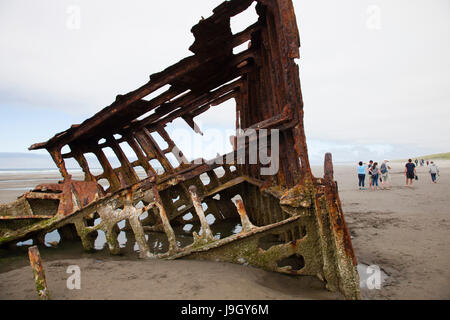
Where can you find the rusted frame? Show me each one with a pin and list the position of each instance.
(195, 108)
(25, 217)
(81, 159)
(147, 143)
(286, 47)
(240, 38)
(142, 158)
(304, 213)
(157, 81)
(130, 175)
(171, 146)
(191, 99)
(152, 149)
(108, 172)
(128, 171)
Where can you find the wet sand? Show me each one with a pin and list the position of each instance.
(13, 185)
(405, 231)
(125, 278)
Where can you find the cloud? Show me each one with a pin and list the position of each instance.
(352, 152)
(118, 45)
(386, 86)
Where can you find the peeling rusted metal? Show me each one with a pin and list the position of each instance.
(207, 235)
(291, 222)
(245, 221)
(38, 273)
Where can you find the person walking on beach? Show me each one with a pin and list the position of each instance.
(410, 172)
(368, 172)
(434, 170)
(417, 162)
(361, 175)
(385, 178)
(375, 173)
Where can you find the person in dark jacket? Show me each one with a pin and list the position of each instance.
(368, 172)
(410, 172)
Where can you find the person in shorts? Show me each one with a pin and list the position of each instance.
(385, 177)
(410, 172)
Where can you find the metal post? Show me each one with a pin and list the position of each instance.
(207, 234)
(245, 221)
(39, 275)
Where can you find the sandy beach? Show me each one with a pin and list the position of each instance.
(404, 231)
(15, 183)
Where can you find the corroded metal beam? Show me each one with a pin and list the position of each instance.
(38, 273)
(291, 222)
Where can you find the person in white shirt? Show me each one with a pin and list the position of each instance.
(434, 170)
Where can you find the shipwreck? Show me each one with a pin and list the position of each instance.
(291, 222)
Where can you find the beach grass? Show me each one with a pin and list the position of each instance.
(436, 156)
(445, 156)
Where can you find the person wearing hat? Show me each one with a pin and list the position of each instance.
(385, 177)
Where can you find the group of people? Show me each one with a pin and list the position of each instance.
(422, 162)
(375, 173)
(381, 174)
(410, 170)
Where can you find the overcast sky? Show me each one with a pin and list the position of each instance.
(374, 74)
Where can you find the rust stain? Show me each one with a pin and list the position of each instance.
(297, 212)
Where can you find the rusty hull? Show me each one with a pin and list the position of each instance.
(291, 222)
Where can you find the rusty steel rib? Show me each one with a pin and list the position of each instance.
(288, 221)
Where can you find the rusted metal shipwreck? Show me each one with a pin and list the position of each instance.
(292, 222)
